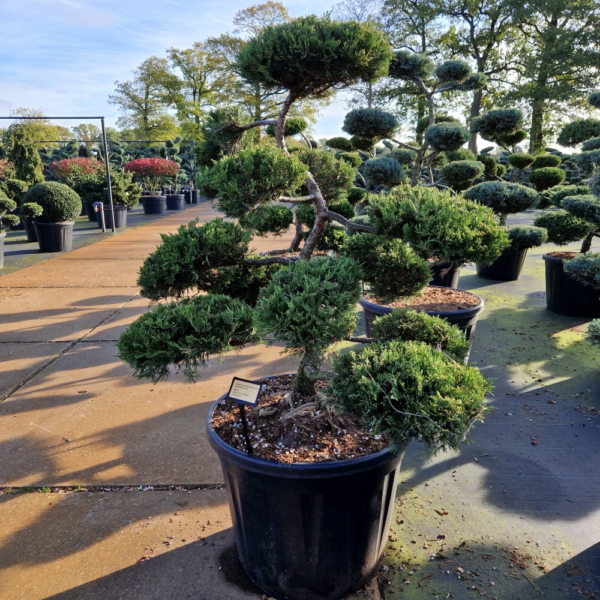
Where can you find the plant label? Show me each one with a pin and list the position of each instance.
(243, 391)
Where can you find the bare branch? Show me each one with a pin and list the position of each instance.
(362, 340)
(297, 199)
(250, 126)
(348, 224)
(267, 261)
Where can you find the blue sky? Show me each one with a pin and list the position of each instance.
(63, 56)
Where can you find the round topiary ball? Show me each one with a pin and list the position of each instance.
(404, 156)
(352, 158)
(521, 160)
(512, 139)
(58, 201)
(453, 71)
(423, 123)
(461, 173)
(356, 195)
(340, 143)
(446, 136)
(545, 160)
(594, 99)
(370, 123)
(384, 171)
(546, 178)
(503, 198)
(460, 154)
(410, 65)
(501, 121)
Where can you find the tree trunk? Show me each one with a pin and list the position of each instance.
(536, 133)
(421, 109)
(303, 383)
(475, 111)
(587, 243)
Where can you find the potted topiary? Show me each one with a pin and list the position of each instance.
(508, 199)
(153, 173)
(310, 519)
(60, 205)
(29, 212)
(6, 205)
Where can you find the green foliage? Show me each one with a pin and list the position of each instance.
(593, 332)
(522, 237)
(268, 219)
(370, 123)
(331, 174)
(460, 154)
(254, 176)
(22, 153)
(334, 237)
(512, 139)
(563, 227)
(305, 214)
(459, 175)
(6, 204)
(594, 99)
(521, 160)
(437, 224)
(8, 220)
(309, 55)
(578, 132)
(187, 259)
(584, 268)
(14, 189)
(185, 335)
(384, 171)
(584, 207)
(503, 198)
(546, 177)
(361, 143)
(556, 195)
(404, 156)
(58, 201)
(593, 144)
(409, 390)
(310, 304)
(545, 160)
(446, 136)
(423, 123)
(452, 71)
(474, 82)
(408, 325)
(94, 188)
(356, 195)
(503, 121)
(31, 210)
(352, 158)
(587, 161)
(410, 65)
(390, 266)
(221, 136)
(340, 143)
(490, 164)
(500, 171)
(293, 126)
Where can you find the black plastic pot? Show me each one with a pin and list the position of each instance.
(309, 531)
(54, 237)
(2, 236)
(194, 196)
(507, 267)
(566, 296)
(450, 279)
(29, 229)
(175, 202)
(465, 319)
(187, 194)
(120, 217)
(154, 205)
(89, 210)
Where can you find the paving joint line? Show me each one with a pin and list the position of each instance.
(52, 360)
(96, 489)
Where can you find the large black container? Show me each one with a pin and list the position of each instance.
(54, 237)
(154, 205)
(507, 267)
(120, 217)
(465, 319)
(194, 196)
(566, 296)
(89, 210)
(29, 229)
(187, 194)
(312, 531)
(450, 279)
(175, 202)
(2, 236)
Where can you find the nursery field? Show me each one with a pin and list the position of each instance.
(110, 490)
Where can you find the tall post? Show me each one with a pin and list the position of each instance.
(107, 166)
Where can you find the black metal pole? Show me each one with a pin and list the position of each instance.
(245, 428)
(107, 165)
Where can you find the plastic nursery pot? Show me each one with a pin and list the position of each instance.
(120, 217)
(309, 531)
(175, 202)
(507, 267)
(154, 205)
(29, 229)
(194, 196)
(2, 236)
(89, 210)
(565, 295)
(188, 196)
(449, 279)
(465, 319)
(54, 237)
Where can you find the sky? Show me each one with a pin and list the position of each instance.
(63, 56)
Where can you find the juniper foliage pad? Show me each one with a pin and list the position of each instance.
(585, 268)
(370, 123)
(268, 219)
(522, 237)
(331, 174)
(502, 197)
(384, 171)
(185, 335)
(409, 390)
(563, 227)
(446, 136)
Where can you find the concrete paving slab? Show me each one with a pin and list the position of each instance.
(86, 420)
(116, 324)
(57, 314)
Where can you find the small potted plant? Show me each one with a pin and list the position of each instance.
(60, 206)
(6, 219)
(29, 212)
(153, 173)
(508, 199)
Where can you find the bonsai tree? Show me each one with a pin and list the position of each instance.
(58, 201)
(31, 210)
(153, 173)
(6, 205)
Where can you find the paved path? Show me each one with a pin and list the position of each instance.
(72, 415)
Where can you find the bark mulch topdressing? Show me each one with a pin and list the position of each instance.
(434, 299)
(563, 255)
(289, 428)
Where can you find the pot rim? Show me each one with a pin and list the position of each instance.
(554, 259)
(61, 223)
(321, 470)
(462, 311)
